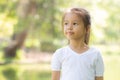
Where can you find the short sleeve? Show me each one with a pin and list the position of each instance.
(55, 62)
(99, 65)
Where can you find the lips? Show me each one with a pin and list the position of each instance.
(70, 33)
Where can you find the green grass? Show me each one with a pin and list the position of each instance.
(42, 71)
(36, 75)
(111, 57)
(25, 72)
(112, 67)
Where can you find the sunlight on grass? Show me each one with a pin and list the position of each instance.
(42, 71)
(39, 71)
(112, 65)
(37, 75)
(111, 57)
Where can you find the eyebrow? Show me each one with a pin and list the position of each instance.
(65, 20)
(74, 21)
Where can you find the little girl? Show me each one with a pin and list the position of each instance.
(77, 61)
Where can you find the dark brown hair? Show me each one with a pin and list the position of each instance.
(84, 15)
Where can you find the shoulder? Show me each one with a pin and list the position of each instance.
(94, 51)
(59, 54)
(60, 51)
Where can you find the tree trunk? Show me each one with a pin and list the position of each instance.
(25, 9)
(16, 43)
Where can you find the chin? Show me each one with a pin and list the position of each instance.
(70, 38)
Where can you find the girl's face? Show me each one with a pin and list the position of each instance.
(73, 26)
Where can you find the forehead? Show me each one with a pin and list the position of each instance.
(72, 16)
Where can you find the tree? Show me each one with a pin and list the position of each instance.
(16, 43)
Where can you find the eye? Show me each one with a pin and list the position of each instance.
(66, 23)
(75, 24)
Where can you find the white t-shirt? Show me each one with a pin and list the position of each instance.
(74, 66)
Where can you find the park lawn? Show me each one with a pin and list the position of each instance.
(112, 67)
(112, 71)
(39, 71)
(42, 71)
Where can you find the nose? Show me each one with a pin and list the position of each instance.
(70, 27)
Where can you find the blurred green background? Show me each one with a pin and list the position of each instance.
(30, 32)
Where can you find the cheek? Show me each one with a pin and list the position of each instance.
(65, 27)
(64, 30)
(80, 31)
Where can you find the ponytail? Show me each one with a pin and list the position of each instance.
(87, 35)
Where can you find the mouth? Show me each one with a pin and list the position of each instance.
(70, 33)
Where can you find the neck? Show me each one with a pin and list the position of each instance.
(78, 46)
(77, 43)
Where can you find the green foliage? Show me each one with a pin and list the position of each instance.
(42, 19)
(112, 28)
(37, 75)
(48, 46)
(19, 55)
(9, 72)
(42, 71)
(6, 25)
(109, 49)
(32, 43)
(7, 17)
(1, 56)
